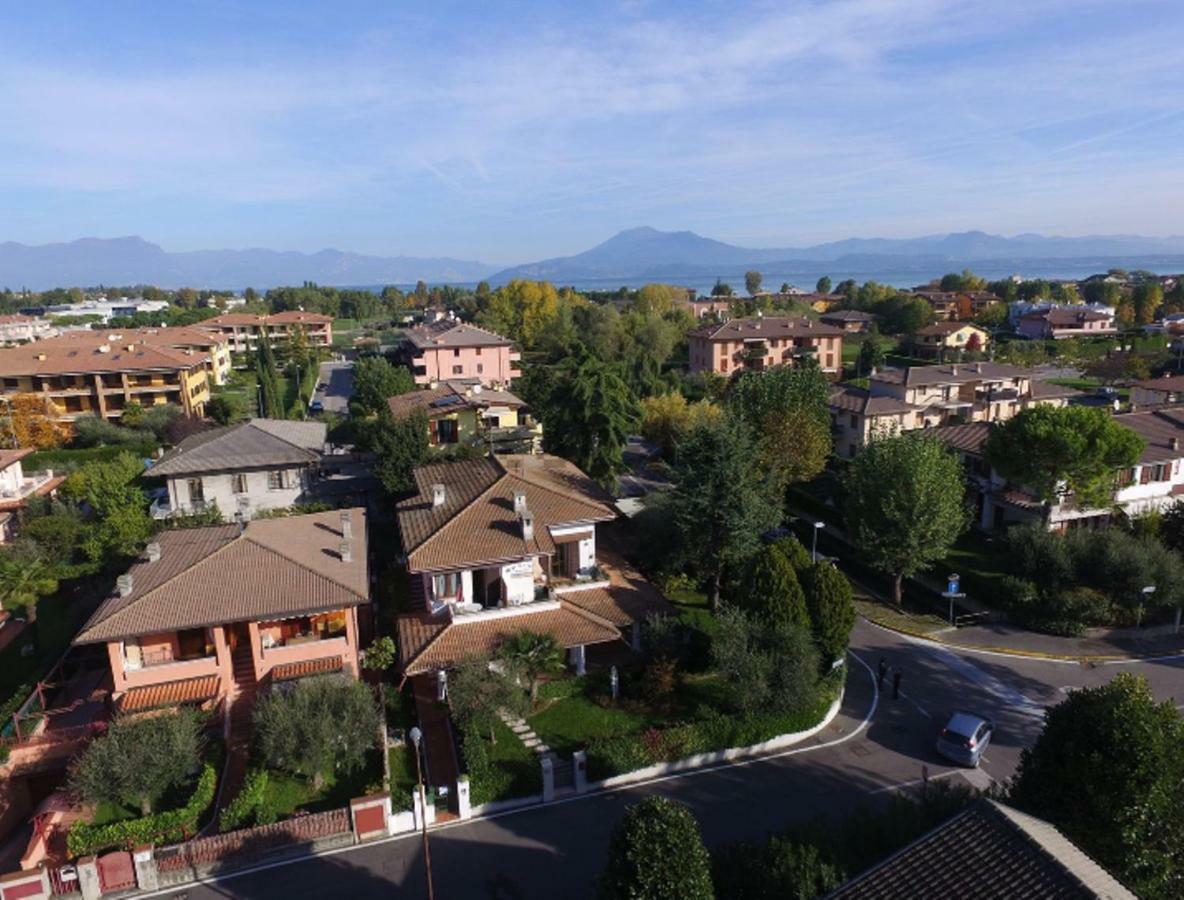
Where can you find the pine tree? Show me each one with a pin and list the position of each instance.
(772, 589)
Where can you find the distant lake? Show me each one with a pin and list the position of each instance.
(904, 274)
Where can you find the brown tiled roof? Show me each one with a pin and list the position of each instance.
(846, 315)
(848, 398)
(629, 598)
(450, 333)
(80, 353)
(8, 457)
(956, 373)
(248, 445)
(305, 667)
(449, 397)
(987, 851)
(277, 568)
(968, 438)
(427, 644)
(477, 525)
(1057, 317)
(169, 693)
(1171, 383)
(234, 319)
(175, 336)
(298, 317)
(766, 327)
(1158, 428)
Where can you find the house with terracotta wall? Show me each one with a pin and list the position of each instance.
(510, 543)
(205, 614)
(448, 349)
(762, 342)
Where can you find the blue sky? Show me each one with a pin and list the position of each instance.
(511, 131)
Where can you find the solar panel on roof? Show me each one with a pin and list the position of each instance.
(450, 400)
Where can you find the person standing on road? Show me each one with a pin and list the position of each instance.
(896, 684)
(881, 671)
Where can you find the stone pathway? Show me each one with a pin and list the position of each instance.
(526, 734)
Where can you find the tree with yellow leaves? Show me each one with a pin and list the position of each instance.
(30, 420)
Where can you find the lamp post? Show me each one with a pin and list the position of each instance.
(818, 526)
(1143, 596)
(416, 739)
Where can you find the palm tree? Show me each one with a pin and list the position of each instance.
(24, 583)
(532, 655)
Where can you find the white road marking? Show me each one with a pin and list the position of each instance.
(921, 709)
(460, 823)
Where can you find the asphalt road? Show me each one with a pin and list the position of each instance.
(339, 380)
(874, 746)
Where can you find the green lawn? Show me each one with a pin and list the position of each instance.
(980, 560)
(67, 459)
(513, 770)
(287, 793)
(568, 718)
(853, 342)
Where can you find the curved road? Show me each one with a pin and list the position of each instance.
(874, 746)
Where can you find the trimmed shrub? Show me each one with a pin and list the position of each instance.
(245, 809)
(162, 828)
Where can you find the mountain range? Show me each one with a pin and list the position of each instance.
(635, 255)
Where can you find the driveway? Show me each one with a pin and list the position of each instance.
(875, 746)
(339, 381)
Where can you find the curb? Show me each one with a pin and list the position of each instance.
(1084, 658)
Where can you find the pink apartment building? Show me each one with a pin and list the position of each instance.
(210, 613)
(762, 342)
(1066, 323)
(448, 350)
(243, 330)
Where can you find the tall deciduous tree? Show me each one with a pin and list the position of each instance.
(905, 504)
(768, 664)
(823, 285)
(786, 410)
(1074, 448)
(318, 726)
(521, 309)
(752, 282)
(121, 510)
(721, 502)
(376, 380)
(588, 414)
(138, 760)
(1108, 771)
(657, 853)
(399, 445)
(871, 355)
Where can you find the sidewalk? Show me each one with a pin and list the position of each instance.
(1097, 645)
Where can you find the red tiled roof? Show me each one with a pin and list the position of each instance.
(427, 644)
(306, 667)
(767, 327)
(8, 457)
(170, 693)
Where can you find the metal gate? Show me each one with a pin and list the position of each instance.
(117, 872)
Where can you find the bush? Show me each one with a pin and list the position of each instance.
(655, 853)
(617, 755)
(162, 828)
(248, 805)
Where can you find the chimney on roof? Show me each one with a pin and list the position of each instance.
(953, 370)
(104, 348)
(978, 367)
(1173, 443)
(153, 551)
(347, 525)
(41, 357)
(519, 501)
(124, 584)
(345, 550)
(527, 525)
(477, 389)
(438, 495)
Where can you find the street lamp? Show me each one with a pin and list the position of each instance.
(1144, 595)
(814, 545)
(416, 739)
